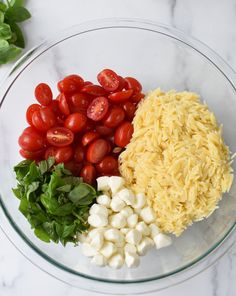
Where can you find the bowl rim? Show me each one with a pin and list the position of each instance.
(99, 24)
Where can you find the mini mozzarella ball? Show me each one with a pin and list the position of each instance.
(96, 220)
(145, 245)
(154, 229)
(98, 209)
(126, 211)
(161, 240)
(108, 249)
(97, 241)
(82, 238)
(88, 250)
(131, 259)
(148, 215)
(132, 220)
(137, 211)
(103, 183)
(104, 200)
(127, 196)
(99, 260)
(113, 235)
(133, 237)
(140, 201)
(120, 250)
(117, 221)
(143, 228)
(116, 261)
(93, 232)
(117, 204)
(130, 248)
(116, 183)
(124, 230)
(121, 243)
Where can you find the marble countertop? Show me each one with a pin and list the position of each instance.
(213, 22)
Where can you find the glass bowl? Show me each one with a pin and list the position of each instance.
(158, 56)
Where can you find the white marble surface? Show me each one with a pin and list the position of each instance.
(211, 21)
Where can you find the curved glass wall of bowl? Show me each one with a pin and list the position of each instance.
(158, 56)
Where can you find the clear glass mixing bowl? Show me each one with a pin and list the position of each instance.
(158, 56)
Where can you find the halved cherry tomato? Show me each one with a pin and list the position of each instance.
(43, 94)
(79, 153)
(136, 98)
(79, 103)
(130, 109)
(97, 150)
(108, 79)
(104, 130)
(59, 136)
(98, 108)
(31, 140)
(120, 96)
(114, 117)
(74, 167)
(34, 155)
(88, 173)
(134, 84)
(94, 90)
(50, 152)
(43, 119)
(76, 122)
(108, 165)
(63, 105)
(122, 83)
(89, 137)
(123, 134)
(30, 111)
(70, 84)
(63, 154)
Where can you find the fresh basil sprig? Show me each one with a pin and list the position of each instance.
(55, 202)
(11, 37)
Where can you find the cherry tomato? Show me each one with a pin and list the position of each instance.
(88, 173)
(54, 106)
(30, 111)
(120, 96)
(122, 83)
(94, 90)
(123, 134)
(79, 153)
(108, 79)
(98, 108)
(31, 140)
(34, 155)
(63, 105)
(70, 84)
(75, 122)
(90, 125)
(43, 94)
(59, 136)
(132, 83)
(50, 152)
(88, 83)
(79, 103)
(136, 98)
(63, 154)
(114, 117)
(97, 150)
(108, 165)
(104, 130)
(89, 137)
(43, 119)
(130, 109)
(73, 167)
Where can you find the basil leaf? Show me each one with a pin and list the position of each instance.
(23, 167)
(64, 210)
(1, 17)
(9, 54)
(43, 167)
(5, 31)
(31, 188)
(65, 188)
(3, 7)
(50, 203)
(32, 175)
(41, 234)
(17, 14)
(17, 2)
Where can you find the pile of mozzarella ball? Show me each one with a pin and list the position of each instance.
(122, 226)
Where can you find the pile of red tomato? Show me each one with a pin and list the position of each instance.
(86, 126)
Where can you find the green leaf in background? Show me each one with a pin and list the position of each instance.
(5, 31)
(3, 7)
(17, 2)
(10, 54)
(1, 17)
(17, 14)
(19, 38)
